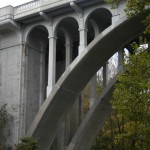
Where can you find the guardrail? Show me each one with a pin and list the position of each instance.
(27, 5)
(33, 5)
(6, 10)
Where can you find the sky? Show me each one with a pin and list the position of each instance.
(4, 3)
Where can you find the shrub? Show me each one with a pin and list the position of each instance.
(28, 143)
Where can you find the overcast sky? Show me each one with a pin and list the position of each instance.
(12, 2)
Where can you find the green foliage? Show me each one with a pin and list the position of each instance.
(4, 116)
(131, 98)
(132, 93)
(86, 95)
(28, 143)
(86, 98)
(128, 127)
(147, 24)
(114, 3)
(134, 7)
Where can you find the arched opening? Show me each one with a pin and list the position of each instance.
(36, 71)
(66, 45)
(60, 54)
(97, 22)
(66, 51)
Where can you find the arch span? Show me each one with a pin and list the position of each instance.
(67, 35)
(66, 21)
(68, 87)
(37, 49)
(98, 15)
(29, 29)
(96, 22)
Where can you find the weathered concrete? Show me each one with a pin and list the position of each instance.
(10, 81)
(68, 88)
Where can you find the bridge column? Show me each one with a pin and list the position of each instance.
(115, 16)
(82, 45)
(82, 29)
(42, 86)
(120, 59)
(51, 64)
(83, 39)
(105, 74)
(93, 85)
(93, 82)
(68, 54)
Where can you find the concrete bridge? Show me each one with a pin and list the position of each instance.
(49, 51)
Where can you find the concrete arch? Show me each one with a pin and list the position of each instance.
(95, 27)
(68, 44)
(57, 24)
(97, 21)
(30, 28)
(101, 10)
(66, 32)
(68, 87)
(36, 71)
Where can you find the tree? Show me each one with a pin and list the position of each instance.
(128, 127)
(131, 98)
(5, 116)
(134, 7)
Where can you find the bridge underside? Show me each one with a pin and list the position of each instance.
(68, 87)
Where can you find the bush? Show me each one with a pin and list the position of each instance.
(4, 116)
(28, 143)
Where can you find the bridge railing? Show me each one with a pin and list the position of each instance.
(34, 6)
(6, 12)
(27, 6)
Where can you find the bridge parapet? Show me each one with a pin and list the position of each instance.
(27, 6)
(6, 12)
(36, 6)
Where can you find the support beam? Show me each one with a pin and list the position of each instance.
(51, 64)
(105, 74)
(10, 22)
(93, 83)
(82, 29)
(83, 39)
(45, 16)
(77, 9)
(93, 93)
(68, 54)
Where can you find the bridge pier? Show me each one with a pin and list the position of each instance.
(52, 64)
